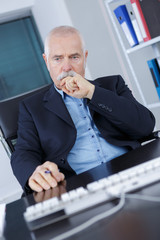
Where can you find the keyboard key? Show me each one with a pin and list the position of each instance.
(65, 197)
(73, 194)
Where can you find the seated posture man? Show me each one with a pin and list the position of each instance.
(77, 124)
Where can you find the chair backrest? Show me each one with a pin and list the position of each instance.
(9, 118)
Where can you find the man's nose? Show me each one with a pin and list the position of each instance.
(67, 65)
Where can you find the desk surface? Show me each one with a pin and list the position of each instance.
(138, 220)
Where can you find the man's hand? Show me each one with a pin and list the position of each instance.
(77, 87)
(53, 192)
(40, 180)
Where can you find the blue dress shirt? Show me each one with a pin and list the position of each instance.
(90, 148)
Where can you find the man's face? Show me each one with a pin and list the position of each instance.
(65, 54)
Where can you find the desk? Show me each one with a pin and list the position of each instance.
(138, 220)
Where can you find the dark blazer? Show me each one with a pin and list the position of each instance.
(46, 131)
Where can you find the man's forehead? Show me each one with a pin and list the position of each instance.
(58, 49)
(69, 40)
(61, 46)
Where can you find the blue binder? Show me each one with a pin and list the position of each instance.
(153, 66)
(126, 24)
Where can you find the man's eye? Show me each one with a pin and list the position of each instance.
(57, 59)
(75, 58)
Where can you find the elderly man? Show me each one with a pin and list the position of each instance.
(77, 124)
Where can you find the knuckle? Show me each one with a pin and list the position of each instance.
(36, 177)
(38, 168)
(46, 163)
(62, 175)
(30, 180)
(53, 165)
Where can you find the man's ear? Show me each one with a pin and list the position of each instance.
(86, 55)
(45, 59)
(85, 58)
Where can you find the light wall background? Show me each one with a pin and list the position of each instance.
(105, 54)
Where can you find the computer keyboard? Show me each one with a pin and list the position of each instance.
(98, 192)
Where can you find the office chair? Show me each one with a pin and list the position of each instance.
(9, 118)
(9, 109)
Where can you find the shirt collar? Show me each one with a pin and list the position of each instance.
(59, 91)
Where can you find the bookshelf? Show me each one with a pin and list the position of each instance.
(154, 43)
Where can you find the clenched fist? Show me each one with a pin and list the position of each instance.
(45, 176)
(77, 87)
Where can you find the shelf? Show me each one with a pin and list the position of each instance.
(110, 1)
(143, 45)
(154, 43)
(154, 105)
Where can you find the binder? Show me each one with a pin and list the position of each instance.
(158, 62)
(125, 22)
(134, 22)
(155, 74)
(141, 20)
(151, 12)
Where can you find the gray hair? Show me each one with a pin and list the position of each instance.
(62, 31)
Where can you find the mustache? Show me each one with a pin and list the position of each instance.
(66, 74)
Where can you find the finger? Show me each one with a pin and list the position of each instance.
(62, 176)
(58, 175)
(64, 89)
(70, 92)
(71, 86)
(55, 173)
(68, 86)
(63, 81)
(39, 178)
(34, 186)
(66, 80)
(47, 175)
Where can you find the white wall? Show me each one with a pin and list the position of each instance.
(9, 186)
(10, 9)
(14, 5)
(49, 14)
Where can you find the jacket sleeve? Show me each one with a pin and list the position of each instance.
(118, 106)
(28, 153)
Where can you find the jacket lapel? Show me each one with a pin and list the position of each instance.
(54, 103)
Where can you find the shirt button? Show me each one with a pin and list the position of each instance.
(98, 150)
(89, 128)
(84, 117)
(92, 136)
(80, 104)
(62, 160)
